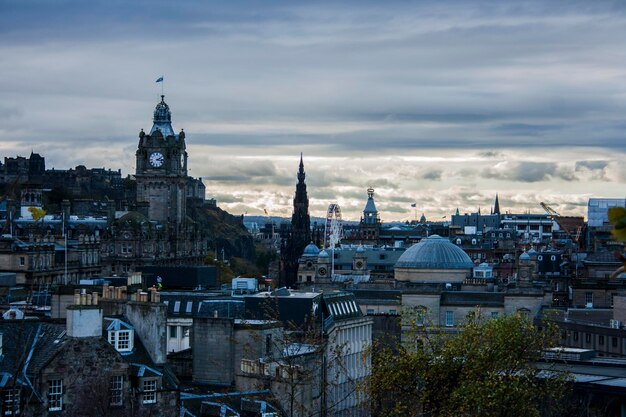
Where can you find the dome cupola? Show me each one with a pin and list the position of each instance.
(162, 120)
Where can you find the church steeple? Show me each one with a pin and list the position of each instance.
(300, 220)
(496, 206)
(299, 237)
(301, 174)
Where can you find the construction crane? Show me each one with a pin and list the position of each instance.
(575, 239)
(555, 217)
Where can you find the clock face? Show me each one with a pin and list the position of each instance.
(182, 160)
(322, 271)
(359, 264)
(157, 159)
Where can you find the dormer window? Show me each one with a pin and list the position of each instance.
(120, 335)
(120, 340)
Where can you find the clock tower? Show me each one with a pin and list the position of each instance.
(161, 170)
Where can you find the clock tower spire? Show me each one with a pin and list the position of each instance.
(161, 169)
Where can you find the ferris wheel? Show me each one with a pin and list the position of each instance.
(333, 231)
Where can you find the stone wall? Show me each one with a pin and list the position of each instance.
(150, 322)
(213, 351)
(85, 366)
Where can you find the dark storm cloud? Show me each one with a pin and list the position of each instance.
(343, 81)
(482, 75)
(228, 198)
(490, 154)
(591, 165)
(433, 175)
(229, 178)
(526, 171)
(238, 167)
(8, 112)
(525, 129)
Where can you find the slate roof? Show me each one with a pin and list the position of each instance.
(25, 337)
(340, 305)
(370, 207)
(602, 256)
(188, 304)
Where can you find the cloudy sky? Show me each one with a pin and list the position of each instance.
(443, 104)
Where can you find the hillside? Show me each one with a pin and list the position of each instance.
(225, 232)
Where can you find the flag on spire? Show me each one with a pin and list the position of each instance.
(160, 79)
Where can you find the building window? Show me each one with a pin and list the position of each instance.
(173, 332)
(601, 340)
(117, 389)
(449, 318)
(575, 336)
(393, 312)
(370, 311)
(22, 261)
(121, 340)
(612, 298)
(11, 402)
(494, 314)
(149, 391)
(55, 395)
(587, 338)
(127, 248)
(614, 342)
(589, 298)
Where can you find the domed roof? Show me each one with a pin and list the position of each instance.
(524, 257)
(162, 120)
(434, 252)
(360, 249)
(311, 250)
(322, 254)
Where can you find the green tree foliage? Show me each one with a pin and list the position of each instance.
(617, 217)
(486, 369)
(264, 257)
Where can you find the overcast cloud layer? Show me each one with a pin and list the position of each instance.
(443, 104)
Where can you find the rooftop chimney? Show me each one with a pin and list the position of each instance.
(84, 317)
